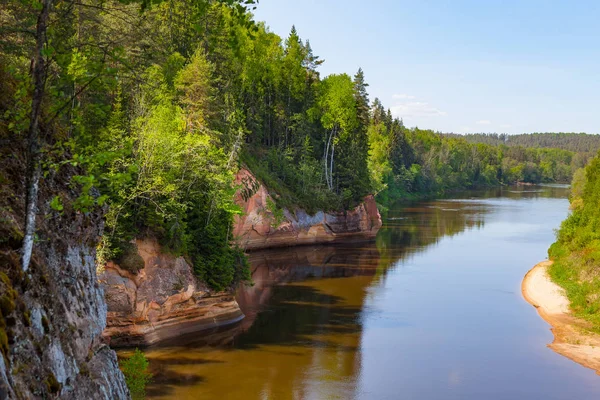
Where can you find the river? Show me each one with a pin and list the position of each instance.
(431, 310)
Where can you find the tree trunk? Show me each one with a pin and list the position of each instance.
(331, 165)
(34, 172)
(327, 156)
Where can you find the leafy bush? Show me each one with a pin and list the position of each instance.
(137, 376)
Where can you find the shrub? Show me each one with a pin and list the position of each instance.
(137, 376)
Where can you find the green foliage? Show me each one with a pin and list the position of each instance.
(137, 376)
(56, 203)
(176, 183)
(573, 142)
(129, 258)
(379, 162)
(576, 252)
(425, 163)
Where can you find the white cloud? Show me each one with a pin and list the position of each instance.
(506, 126)
(484, 122)
(403, 96)
(413, 109)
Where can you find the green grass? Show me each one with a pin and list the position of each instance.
(581, 287)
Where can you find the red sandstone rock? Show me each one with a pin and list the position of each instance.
(162, 301)
(257, 227)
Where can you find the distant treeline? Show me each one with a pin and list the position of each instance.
(411, 162)
(576, 142)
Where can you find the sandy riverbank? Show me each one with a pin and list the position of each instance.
(571, 339)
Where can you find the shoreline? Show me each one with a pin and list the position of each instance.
(571, 339)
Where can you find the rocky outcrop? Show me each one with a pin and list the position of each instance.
(52, 317)
(162, 301)
(259, 227)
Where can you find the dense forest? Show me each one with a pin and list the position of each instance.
(575, 142)
(408, 162)
(156, 105)
(576, 253)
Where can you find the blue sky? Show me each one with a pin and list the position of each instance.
(461, 66)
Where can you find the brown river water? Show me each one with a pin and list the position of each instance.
(431, 310)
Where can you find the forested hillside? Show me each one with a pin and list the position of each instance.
(576, 253)
(407, 162)
(157, 104)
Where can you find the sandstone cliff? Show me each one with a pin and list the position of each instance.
(259, 228)
(163, 300)
(52, 317)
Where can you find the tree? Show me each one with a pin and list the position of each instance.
(337, 104)
(34, 172)
(137, 376)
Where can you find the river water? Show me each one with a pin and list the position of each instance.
(431, 310)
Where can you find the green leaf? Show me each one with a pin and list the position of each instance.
(56, 203)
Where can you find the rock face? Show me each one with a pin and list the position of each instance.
(258, 227)
(162, 301)
(53, 315)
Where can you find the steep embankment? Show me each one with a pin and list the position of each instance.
(163, 300)
(259, 227)
(53, 315)
(571, 339)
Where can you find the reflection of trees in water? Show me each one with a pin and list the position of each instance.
(271, 268)
(548, 191)
(411, 229)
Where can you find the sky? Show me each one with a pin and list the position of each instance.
(461, 66)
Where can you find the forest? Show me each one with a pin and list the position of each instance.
(575, 142)
(150, 108)
(576, 252)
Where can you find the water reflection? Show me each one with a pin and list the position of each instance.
(337, 321)
(302, 320)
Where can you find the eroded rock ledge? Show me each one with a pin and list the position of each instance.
(163, 300)
(258, 227)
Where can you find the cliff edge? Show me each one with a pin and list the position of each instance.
(161, 301)
(259, 228)
(53, 315)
